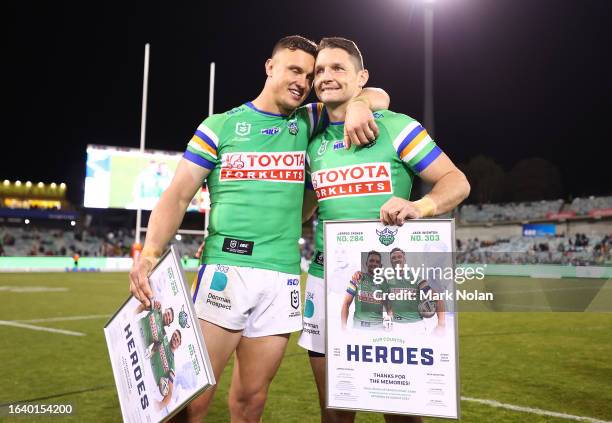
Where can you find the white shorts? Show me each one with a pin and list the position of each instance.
(313, 334)
(259, 302)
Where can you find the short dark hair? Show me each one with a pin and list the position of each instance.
(373, 253)
(345, 44)
(296, 42)
(398, 249)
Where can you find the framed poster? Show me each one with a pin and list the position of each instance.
(392, 343)
(158, 355)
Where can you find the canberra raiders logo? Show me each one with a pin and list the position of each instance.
(183, 318)
(293, 126)
(386, 236)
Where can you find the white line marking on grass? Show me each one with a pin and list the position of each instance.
(30, 289)
(531, 410)
(63, 319)
(25, 326)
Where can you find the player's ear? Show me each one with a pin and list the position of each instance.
(269, 66)
(362, 78)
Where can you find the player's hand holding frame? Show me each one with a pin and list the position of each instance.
(139, 277)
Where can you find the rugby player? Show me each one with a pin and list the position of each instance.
(377, 184)
(247, 294)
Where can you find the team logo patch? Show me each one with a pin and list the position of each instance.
(322, 147)
(237, 246)
(270, 131)
(377, 115)
(293, 127)
(319, 258)
(183, 322)
(243, 128)
(285, 166)
(360, 179)
(295, 299)
(386, 236)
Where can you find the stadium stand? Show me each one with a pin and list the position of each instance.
(509, 212)
(37, 241)
(583, 206)
(578, 250)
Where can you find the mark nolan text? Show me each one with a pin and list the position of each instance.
(430, 295)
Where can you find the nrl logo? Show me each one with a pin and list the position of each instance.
(295, 299)
(323, 147)
(183, 318)
(243, 128)
(386, 236)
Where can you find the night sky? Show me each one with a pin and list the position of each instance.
(513, 79)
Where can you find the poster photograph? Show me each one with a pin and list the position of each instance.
(158, 355)
(391, 322)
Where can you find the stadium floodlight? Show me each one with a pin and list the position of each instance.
(72, 223)
(18, 183)
(53, 185)
(26, 221)
(178, 237)
(40, 185)
(28, 184)
(62, 186)
(6, 182)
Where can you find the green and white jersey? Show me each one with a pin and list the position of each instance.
(152, 327)
(404, 310)
(162, 361)
(367, 307)
(355, 183)
(256, 184)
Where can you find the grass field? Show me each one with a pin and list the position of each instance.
(554, 361)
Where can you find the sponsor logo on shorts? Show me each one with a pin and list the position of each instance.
(238, 246)
(355, 180)
(295, 298)
(293, 282)
(311, 329)
(309, 306)
(338, 145)
(218, 301)
(270, 166)
(219, 281)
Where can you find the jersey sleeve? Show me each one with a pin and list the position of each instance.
(202, 147)
(411, 142)
(315, 116)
